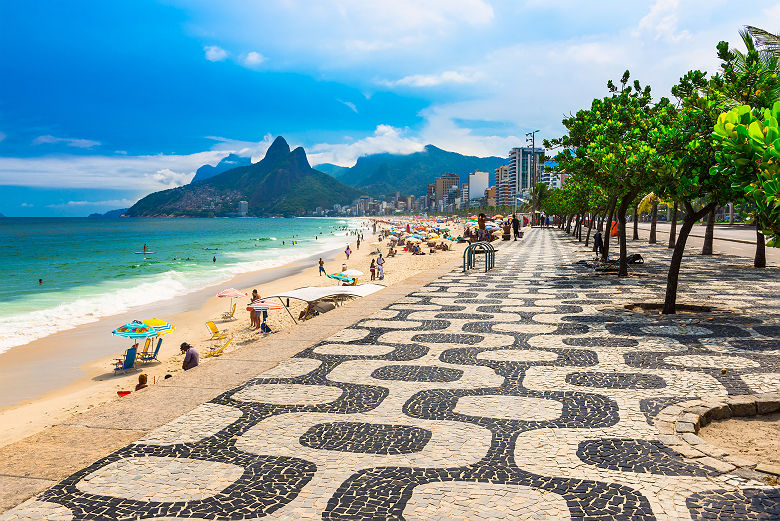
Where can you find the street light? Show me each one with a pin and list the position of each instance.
(531, 136)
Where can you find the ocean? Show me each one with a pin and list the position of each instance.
(89, 268)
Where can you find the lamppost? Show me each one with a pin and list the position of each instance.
(531, 136)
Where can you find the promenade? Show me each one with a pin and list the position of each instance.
(528, 392)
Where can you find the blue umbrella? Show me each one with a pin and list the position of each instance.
(135, 330)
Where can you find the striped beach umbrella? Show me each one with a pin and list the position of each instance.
(135, 330)
(161, 326)
(264, 305)
(231, 293)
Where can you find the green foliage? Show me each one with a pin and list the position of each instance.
(750, 156)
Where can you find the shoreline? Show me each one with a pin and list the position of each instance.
(41, 383)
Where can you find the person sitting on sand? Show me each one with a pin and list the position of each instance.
(142, 378)
(191, 356)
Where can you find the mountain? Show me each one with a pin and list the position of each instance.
(227, 162)
(331, 169)
(110, 213)
(383, 174)
(282, 182)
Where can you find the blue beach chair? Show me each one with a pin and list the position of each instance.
(152, 356)
(123, 364)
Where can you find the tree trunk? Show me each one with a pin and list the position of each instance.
(568, 224)
(673, 228)
(590, 228)
(759, 261)
(731, 213)
(636, 222)
(670, 302)
(709, 233)
(608, 223)
(621, 216)
(653, 222)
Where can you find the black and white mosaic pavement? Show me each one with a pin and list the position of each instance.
(527, 392)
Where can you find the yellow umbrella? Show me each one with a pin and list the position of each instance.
(161, 326)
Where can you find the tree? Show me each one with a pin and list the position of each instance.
(750, 78)
(685, 137)
(750, 156)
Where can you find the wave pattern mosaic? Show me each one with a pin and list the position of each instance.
(523, 393)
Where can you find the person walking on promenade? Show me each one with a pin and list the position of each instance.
(482, 231)
(322, 267)
(515, 226)
(380, 263)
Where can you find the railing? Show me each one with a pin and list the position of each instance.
(479, 248)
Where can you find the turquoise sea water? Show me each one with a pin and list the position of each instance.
(89, 268)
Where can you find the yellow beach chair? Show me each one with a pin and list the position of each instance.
(216, 351)
(229, 315)
(145, 351)
(215, 333)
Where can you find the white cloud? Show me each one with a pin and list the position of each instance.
(432, 80)
(254, 149)
(111, 203)
(349, 104)
(140, 173)
(253, 59)
(662, 22)
(77, 143)
(215, 53)
(27, 205)
(385, 139)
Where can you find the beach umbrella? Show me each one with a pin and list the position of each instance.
(264, 305)
(352, 273)
(135, 330)
(161, 326)
(339, 277)
(231, 293)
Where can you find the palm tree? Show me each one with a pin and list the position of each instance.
(769, 42)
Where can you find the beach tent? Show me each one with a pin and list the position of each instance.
(315, 293)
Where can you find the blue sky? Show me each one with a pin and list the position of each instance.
(103, 102)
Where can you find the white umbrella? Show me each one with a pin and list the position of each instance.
(352, 273)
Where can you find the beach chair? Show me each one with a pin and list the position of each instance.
(145, 351)
(123, 364)
(216, 351)
(215, 333)
(151, 356)
(229, 315)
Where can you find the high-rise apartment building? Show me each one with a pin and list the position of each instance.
(478, 183)
(443, 186)
(243, 208)
(465, 194)
(524, 169)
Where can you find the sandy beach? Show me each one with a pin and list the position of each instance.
(49, 379)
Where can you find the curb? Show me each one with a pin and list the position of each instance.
(679, 425)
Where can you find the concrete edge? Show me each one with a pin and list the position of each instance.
(679, 426)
